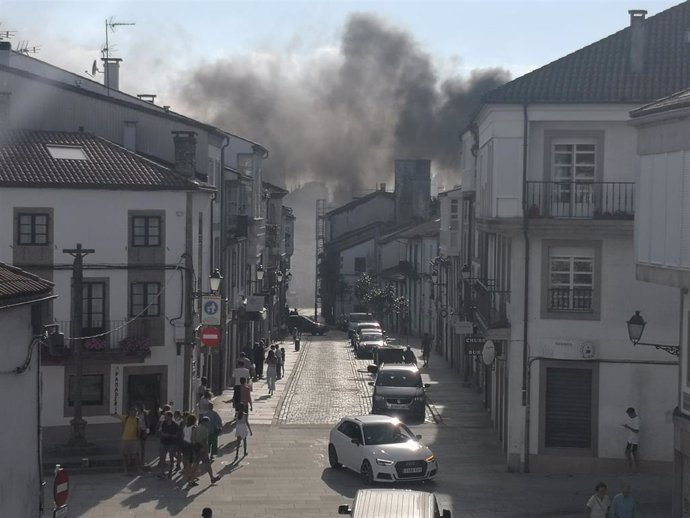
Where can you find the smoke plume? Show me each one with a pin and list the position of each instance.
(346, 114)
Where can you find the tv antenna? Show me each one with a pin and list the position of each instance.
(110, 25)
(25, 48)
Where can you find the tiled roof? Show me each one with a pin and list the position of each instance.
(672, 102)
(16, 285)
(600, 72)
(358, 201)
(26, 162)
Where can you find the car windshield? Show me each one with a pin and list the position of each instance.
(372, 337)
(401, 378)
(387, 433)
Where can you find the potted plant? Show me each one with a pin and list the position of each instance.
(97, 343)
(136, 344)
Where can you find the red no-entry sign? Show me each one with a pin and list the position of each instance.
(60, 488)
(210, 336)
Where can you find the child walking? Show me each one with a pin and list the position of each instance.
(242, 429)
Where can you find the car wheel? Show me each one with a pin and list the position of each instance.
(333, 457)
(367, 473)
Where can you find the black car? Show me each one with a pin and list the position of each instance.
(398, 389)
(306, 325)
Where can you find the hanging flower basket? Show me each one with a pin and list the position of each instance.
(136, 345)
(95, 344)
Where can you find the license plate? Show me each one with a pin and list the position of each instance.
(412, 470)
(396, 406)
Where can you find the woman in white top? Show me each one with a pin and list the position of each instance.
(241, 429)
(271, 371)
(189, 470)
(599, 503)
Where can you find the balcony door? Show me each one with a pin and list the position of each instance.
(93, 308)
(573, 170)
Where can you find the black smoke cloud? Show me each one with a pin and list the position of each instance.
(343, 117)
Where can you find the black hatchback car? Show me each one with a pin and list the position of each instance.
(306, 325)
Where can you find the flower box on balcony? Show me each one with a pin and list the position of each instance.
(95, 344)
(136, 345)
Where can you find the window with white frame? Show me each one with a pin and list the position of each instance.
(573, 171)
(245, 163)
(571, 279)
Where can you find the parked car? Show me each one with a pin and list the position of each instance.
(380, 449)
(398, 389)
(369, 339)
(362, 326)
(354, 318)
(388, 354)
(306, 325)
(398, 503)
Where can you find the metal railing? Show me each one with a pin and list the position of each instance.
(491, 304)
(586, 200)
(571, 299)
(116, 332)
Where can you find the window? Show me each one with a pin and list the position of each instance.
(146, 231)
(58, 152)
(573, 161)
(145, 299)
(360, 264)
(32, 229)
(245, 162)
(351, 430)
(571, 279)
(91, 390)
(93, 308)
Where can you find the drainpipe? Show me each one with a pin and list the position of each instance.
(187, 293)
(525, 317)
(224, 353)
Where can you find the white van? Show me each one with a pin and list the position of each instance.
(397, 503)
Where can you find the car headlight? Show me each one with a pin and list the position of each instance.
(379, 399)
(431, 458)
(419, 398)
(384, 462)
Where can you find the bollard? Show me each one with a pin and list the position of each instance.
(297, 340)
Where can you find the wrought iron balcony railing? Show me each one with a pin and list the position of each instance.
(570, 299)
(584, 200)
(490, 304)
(117, 333)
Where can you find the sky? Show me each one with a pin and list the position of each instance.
(367, 79)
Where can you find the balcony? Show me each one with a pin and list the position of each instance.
(123, 341)
(581, 200)
(238, 226)
(576, 300)
(490, 305)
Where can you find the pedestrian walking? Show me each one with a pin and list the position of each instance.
(200, 437)
(633, 444)
(279, 362)
(624, 504)
(202, 388)
(598, 504)
(143, 417)
(271, 371)
(259, 355)
(245, 395)
(241, 431)
(282, 357)
(180, 422)
(130, 440)
(426, 348)
(168, 440)
(207, 512)
(204, 401)
(188, 465)
(215, 429)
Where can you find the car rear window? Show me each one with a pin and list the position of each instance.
(372, 337)
(402, 378)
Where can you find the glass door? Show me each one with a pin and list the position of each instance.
(573, 166)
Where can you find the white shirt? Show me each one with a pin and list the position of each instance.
(187, 434)
(634, 437)
(598, 507)
(240, 372)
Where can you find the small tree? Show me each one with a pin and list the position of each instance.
(380, 300)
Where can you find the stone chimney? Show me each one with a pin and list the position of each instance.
(185, 152)
(5, 50)
(412, 190)
(111, 73)
(637, 39)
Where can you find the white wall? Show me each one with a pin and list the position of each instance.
(20, 481)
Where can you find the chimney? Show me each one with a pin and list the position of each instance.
(111, 73)
(412, 190)
(382, 187)
(129, 137)
(5, 50)
(637, 39)
(185, 152)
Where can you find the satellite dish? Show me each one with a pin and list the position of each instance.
(488, 352)
(94, 68)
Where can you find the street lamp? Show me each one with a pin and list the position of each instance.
(214, 280)
(279, 276)
(260, 273)
(288, 276)
(636, 326)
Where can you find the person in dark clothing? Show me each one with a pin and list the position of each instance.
(408, 356)
(426, 348)
(259, 356)
(168, 442)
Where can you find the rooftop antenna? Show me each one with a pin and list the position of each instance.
(25, 48)
(6, 35)
(110, 25)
